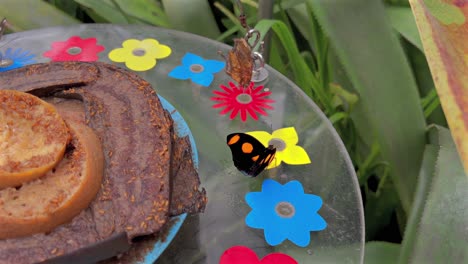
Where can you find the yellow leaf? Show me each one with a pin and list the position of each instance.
(443, 29)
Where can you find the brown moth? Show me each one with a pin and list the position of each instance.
(239, 63)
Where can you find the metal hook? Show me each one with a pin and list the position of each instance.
(259, 73)
(2, 27)
(257, 56)
(250, 31)
(249, 34)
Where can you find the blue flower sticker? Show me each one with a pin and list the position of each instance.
(284, 212)
(13, 59)
(199, 70)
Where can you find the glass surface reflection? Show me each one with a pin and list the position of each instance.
(204, 237)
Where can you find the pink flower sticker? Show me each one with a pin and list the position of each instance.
(237, 100)
(244, 255)
(74, 49)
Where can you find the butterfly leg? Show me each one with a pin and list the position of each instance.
(228, 64)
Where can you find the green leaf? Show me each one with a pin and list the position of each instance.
(231, 17)
(301, 19)
(440, 235)
(107, 10)
(376, 65)
(431, 107)
(284, 5)
(96, 18)
(300, 70)
(192, 16)
(148, 11)
(379, 209)
(425, 178)
(126, 12)
(338, 116)
(69, 7)
(381, 253)
(304, 20)
(342, 97)
(425, 101)
(446, 13)
(303, 77)
(402, 20)
(397, 2)
(233, 30)
(275, 56)
(45, 15)
(424, 80)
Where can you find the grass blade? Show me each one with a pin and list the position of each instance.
(381, 253)
(303, 77)
(44, 15)
(440, 234)
(377, 67)
(402, 20)
(146, 10)
(425, 179)
(107, 10)
(192, 16)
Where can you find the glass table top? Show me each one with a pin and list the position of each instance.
(204, 237)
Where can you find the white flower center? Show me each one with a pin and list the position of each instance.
(196, 68)
(244, 98)
(74, 50)
(277, 143)
(285, 209)
(139, 52)
(5, 63)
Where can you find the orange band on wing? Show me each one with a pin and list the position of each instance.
(234, 139)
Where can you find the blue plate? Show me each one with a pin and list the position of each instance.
(182, 130)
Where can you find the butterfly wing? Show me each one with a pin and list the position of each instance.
(262, 162)
(248, 154)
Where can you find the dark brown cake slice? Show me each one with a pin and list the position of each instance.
(140, 150)
(185, 194)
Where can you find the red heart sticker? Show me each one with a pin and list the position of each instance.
(244, 255)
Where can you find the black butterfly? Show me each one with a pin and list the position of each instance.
(248, 154)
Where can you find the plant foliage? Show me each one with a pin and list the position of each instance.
(363, 64)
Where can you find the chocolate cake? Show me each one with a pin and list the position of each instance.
(148, 172)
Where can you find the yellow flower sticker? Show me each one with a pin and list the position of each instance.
(285, 140)
(140, 55)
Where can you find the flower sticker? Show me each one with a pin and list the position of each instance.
(285, 141)
(251, 100)
(199, 70)
(284, 212)
(15, 58)
(140, 55)
(245, 255)
(74, 49)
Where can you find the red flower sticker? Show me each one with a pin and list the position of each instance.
(251, 100)
(244, 255)
(74, 49)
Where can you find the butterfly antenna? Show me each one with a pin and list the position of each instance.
(242, 16)
(2, 30)
(3, 25)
